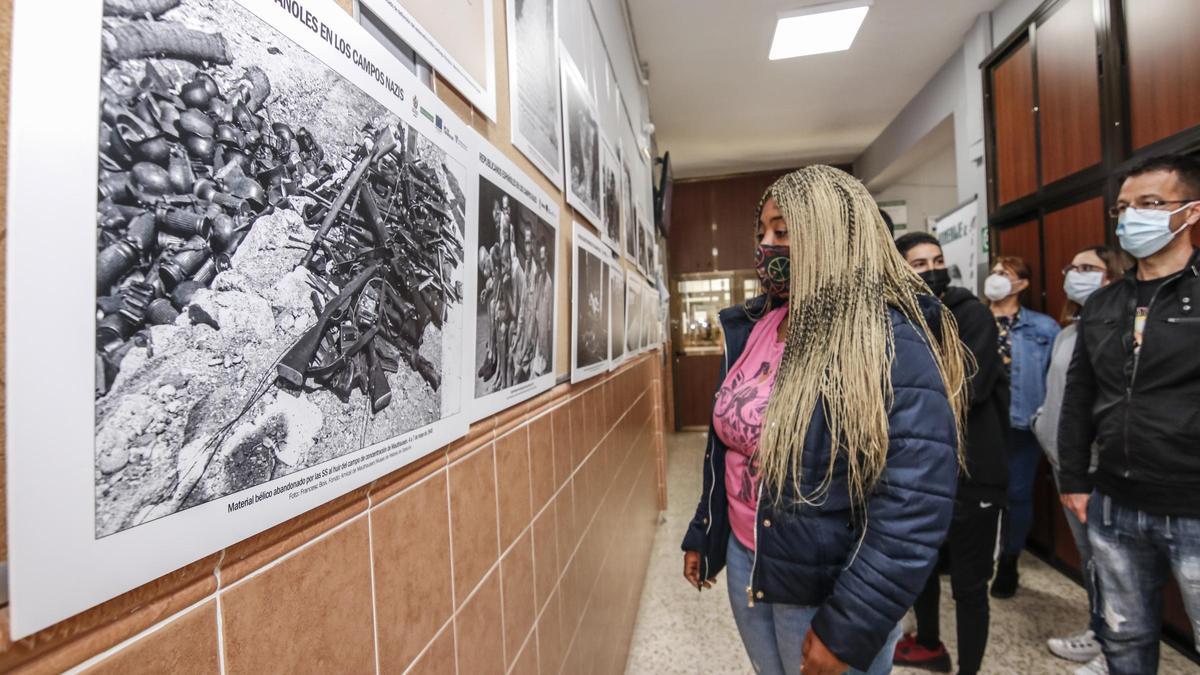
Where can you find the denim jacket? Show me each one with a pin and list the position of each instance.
(1032, 344)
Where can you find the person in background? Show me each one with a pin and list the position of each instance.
(830, 472)
(1133, 390)
(970, 548)
(1091, 269)
(1026, 337)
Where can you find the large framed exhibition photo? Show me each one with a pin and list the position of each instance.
(456, 37)
(582, 131)
(616, 314)
(535, 102)
(589, 304)
(269, 311)
(634, 315)
(515, 285)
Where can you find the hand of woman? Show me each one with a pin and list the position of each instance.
(691, 570)
(818, 660)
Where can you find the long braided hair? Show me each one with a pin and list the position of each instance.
(839, 348)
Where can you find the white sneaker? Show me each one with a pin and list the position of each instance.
(1097, 666)
(1080, 647)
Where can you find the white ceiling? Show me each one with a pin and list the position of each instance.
(719, 106)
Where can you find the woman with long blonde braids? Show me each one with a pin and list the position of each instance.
(833, 455)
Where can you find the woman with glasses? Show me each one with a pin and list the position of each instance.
(1091, 269)
(1026, 337)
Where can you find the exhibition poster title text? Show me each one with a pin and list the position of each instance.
(511, 180)
(297, 10)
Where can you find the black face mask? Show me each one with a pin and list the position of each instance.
(937, 280)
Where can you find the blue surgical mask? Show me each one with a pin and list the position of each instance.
(1144, 232)
(1080, 285)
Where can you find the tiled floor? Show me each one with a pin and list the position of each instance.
(682, 631)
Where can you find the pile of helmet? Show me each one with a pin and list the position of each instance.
(185, 170)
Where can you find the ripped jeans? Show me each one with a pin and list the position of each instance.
(1133, 552)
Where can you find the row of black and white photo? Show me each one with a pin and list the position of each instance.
(299, 272)
(615, 311)
(557, 126)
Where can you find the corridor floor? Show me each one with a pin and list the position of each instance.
(682, 631)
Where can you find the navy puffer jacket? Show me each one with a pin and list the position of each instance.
(863, 576)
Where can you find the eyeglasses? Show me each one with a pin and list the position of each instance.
(1149, 204)
(1083, 268)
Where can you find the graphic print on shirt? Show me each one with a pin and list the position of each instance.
(741, 406)
(1139, 327)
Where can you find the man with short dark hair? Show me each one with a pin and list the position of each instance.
(970, 548)
(1134, 389)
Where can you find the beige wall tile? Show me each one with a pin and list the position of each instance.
(516, 576)
(187, 644)
(527, 660)
(541, 461)
(310, 612)
(480, 641)
(411, 547)
(437, 660)
(473, 519)
(564, 463)
(545, 556)
(550, 637)
(512, 476)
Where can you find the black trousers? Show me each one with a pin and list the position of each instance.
(969, 555)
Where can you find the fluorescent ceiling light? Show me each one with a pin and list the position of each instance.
(818, 30)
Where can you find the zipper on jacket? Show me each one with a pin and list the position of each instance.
(1137, 357)
(712, 467)
(754, 558)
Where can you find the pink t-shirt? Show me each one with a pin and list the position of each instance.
(738, 415)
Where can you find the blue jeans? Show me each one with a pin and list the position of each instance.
(1133, 552)
(774, 633)
(1079, 532)
(1024, 453)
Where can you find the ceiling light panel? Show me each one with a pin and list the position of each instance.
(818, 30)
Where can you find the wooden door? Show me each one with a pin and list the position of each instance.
(1164, 68)
(1013, 121)
(1068, 84)
(1066, 232)
(696, 378)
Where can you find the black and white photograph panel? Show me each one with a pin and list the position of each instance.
(611, 191)
(589, 306)
(533, 84)
(628, 219)
(514, 325)
(277, 259)
(274, 281)
(616, 321)
(582, 142)
(633, 313)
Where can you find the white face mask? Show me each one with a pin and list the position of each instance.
(1080, 285)
(997, 287)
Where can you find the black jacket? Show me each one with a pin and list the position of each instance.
(986, 477)
(1142, 410)
(863, 574)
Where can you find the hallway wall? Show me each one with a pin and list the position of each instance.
(520, 548)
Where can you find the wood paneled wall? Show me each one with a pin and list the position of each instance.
(1164, 67)
(1068, 84)
(1016, 152)
(712, 222)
